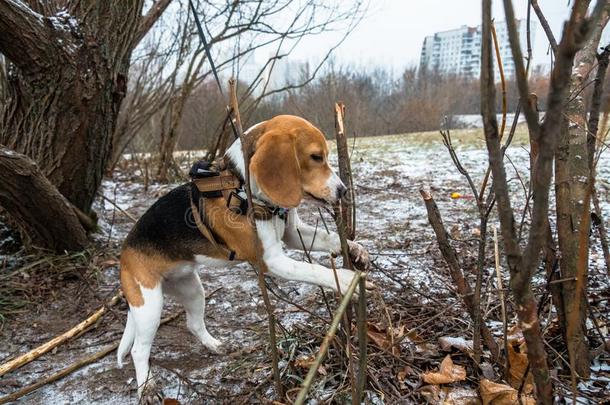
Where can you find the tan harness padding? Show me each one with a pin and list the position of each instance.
(225, 181)
(228, 184)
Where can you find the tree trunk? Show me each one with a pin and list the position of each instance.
(67, 75)
(572, 175)
(66, 90)
(23, 189)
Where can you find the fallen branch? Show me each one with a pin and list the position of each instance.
(33, 354)
(44, 216)
(70, 369)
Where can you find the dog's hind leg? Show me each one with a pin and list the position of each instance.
(146, 319)
(188, 291)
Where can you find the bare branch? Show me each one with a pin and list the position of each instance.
(520, 73)
(545, 25)
(148, 20)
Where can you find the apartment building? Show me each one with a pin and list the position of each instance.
(458, 51)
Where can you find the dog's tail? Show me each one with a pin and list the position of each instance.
(127, 340)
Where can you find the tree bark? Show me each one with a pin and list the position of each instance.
(572, 174)
(67, 75)
(66, 90)
(35, 204)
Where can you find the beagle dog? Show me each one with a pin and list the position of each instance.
(161, 254)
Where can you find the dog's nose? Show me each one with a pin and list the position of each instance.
(341, 191)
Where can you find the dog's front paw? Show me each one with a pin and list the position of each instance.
(359, 256)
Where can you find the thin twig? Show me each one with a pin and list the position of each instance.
(313, 369)
(262, 267)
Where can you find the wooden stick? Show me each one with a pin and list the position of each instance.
(451, 258)
(346, 227)
(121, 210)
(362, 339)
(260, 263)
(345, 172)
(33, 354)
(348, 337)
(70, 369)
(502, 299)
(313, 369)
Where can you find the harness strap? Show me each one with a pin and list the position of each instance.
(205, 231)
(217, 183)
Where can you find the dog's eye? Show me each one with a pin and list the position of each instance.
(317, 158)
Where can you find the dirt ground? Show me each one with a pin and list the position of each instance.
(414, 292)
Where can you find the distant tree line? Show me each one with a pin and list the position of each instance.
(377, 102)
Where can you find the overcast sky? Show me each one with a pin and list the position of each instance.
(393, 30)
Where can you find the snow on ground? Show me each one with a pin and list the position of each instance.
(392, 223)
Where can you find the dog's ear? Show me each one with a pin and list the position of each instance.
(276, 169)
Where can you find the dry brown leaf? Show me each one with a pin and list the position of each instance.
(306, 362)
(380, 339)
(404, 373)
(414, 337)
(447, 373)
(432, 393)
(170, 401)
(501, 394)
(518, 366)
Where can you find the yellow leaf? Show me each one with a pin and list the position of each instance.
(448, 373)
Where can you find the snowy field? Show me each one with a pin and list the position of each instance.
(392, 223)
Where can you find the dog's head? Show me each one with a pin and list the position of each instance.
(290, 163)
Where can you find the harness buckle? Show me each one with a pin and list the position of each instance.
(242, 207)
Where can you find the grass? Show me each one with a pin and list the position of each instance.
(464, 137)
(36, 275)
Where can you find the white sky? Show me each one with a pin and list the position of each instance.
(393, 31)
